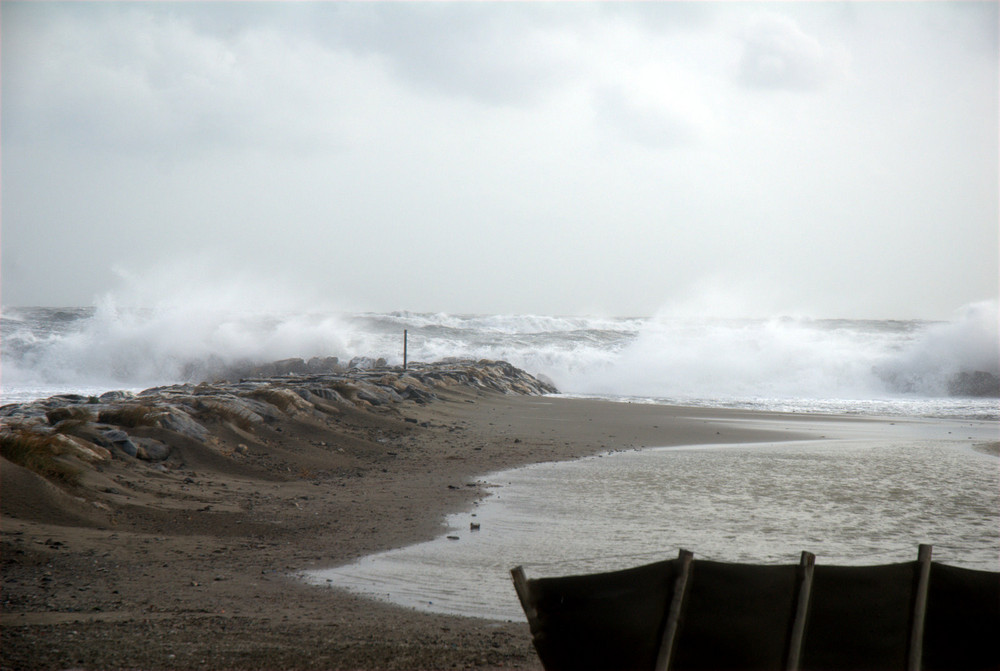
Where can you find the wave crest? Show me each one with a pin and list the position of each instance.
(661, 357)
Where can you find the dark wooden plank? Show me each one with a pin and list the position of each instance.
(807, 564)
(524, 595)
(666, 651)
(919, 613)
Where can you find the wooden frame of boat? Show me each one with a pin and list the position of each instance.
(684, 614)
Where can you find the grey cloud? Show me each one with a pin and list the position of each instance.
(662, 18)
(644, 123)
(506, 53)
(494, 135)
(182, 80)
(144, 83)
(777, 54)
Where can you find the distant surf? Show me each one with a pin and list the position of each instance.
(889, 367)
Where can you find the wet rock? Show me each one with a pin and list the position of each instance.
(319, 385)
(175, 419)
(169, 391)
(327, 394)
(974, 383)
(418, 395)
(366, 363)
(151, 450)
(115, 396)
(265, 411)
(346, 389)
(88, 432)
(76, 413)
(375, 394)
(120, 441)
(70, 398)
(330, 364)
(291, 367)
(285, 400)
(227, 409)
(83, 449)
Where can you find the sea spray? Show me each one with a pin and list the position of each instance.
(944, 354)
(757, 358)
(680, 359)
(116, 346)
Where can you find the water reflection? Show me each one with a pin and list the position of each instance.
(848, 501)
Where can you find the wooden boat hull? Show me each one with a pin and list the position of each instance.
(740, 616)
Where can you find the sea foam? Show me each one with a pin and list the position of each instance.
(678, 358)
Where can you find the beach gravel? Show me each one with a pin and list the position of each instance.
(186, 559)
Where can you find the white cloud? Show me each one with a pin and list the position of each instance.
(543, 157)
(511, 54)
(648, 122)
(778, 54)
(143, 83)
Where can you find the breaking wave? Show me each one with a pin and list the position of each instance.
(107, 346)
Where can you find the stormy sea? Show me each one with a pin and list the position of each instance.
(929, 476)
(879, 367)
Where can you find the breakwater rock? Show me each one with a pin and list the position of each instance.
(57, 436)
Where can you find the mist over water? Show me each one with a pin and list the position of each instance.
(909, 367)
(787, 358)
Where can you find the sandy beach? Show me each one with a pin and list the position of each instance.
(189, 564)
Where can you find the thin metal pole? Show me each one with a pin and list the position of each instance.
(404, 349)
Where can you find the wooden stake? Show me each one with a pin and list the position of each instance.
(915, 656)
(524, 595)
(666, 653)
(807, 564)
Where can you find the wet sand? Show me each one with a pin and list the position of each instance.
(190, 565)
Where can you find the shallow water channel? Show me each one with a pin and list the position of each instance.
(857, 501)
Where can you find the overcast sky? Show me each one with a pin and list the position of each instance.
(829, 159)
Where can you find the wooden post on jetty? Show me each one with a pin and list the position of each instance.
(404, 349)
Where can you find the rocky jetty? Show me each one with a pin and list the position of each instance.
(56, 435)
(977, 383)
(182, 515)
